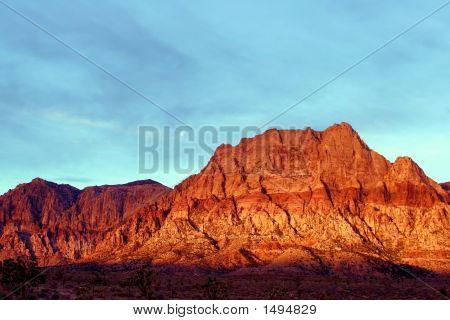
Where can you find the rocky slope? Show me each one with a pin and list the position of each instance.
(319, 200)
(54, 224)
(289, 197)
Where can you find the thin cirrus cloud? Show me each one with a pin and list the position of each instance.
(60, 116)
(227, 63)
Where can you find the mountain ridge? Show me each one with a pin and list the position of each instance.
(53, 223)
(323, 198)
(242, 209)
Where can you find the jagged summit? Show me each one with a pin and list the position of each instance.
(42, 182)
(38, 181)
(337, 159)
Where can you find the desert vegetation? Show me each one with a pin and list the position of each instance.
(149, 282)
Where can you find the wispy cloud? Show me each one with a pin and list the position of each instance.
(63, 116)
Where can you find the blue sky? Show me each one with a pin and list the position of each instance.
(214, 63)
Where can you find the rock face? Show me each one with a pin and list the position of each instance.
(315, 199)
(446, 186)
(53, 223)
(290, 196)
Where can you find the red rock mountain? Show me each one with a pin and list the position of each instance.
(304, 198)
(54, 223)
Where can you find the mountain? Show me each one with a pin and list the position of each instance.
(295, 196)
(315, 200)
(55, 224)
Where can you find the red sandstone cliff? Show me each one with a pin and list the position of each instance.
(285, 197)
(54, 223)
(290, 196)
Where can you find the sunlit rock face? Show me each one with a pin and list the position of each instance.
(319, 199)
(53, 223)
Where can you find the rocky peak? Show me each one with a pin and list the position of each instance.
(405, 169)
(410, 185)
(342, 128)
(38, 181)
(294, 160)
(345, 136)
(37, 202)
(335, 162)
